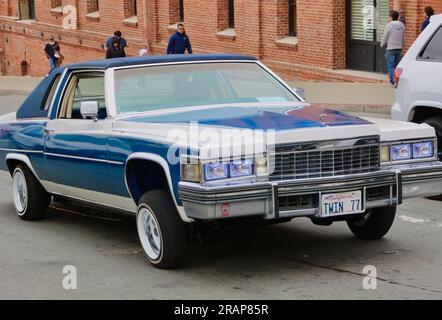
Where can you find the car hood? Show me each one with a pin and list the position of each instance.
(258, 118)
(288, 123)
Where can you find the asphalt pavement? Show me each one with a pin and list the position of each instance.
(296, 260)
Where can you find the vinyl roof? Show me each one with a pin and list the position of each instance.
(133, 61)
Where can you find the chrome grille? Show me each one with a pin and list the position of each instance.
(325, 159)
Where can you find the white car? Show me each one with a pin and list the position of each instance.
(419, 81)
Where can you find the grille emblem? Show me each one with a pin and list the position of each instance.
(323, 117)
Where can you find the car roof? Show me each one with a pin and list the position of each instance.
(154, 59)
(436, 18)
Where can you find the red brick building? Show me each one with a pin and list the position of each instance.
(321, 39)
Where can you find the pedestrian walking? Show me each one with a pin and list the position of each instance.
(144, 51)
(393, 39)
(115, 51)
(53, 53)
(179, 42)
(428, 13)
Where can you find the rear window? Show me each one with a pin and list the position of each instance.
(50, 93)
(433, 50)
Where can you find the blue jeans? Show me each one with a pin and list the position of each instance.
(393, 58)
(52, 63)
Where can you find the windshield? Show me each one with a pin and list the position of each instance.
(173, 86)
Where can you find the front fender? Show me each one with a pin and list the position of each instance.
(163, 164)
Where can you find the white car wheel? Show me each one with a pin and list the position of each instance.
(20, 191)
(162, 233)
(149, 233)
(30, 198)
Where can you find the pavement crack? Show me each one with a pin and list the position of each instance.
(392, 282)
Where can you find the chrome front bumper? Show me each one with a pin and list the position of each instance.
(249, 198)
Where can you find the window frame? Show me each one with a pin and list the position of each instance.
(231, 14)
(181, 10)
(51, 93)
(134, 8)
(427, 43)
(32, 15)
(96, 7)
(56, 4)
(74, 76)
(292, 15)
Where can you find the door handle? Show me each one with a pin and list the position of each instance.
(48, 131)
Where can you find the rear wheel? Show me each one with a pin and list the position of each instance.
(374, 224)
(31, 200)
(162, 233)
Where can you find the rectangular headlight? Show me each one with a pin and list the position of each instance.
(401, 152)
(261, 168)
(385, 154)
(241, 168)
(216, 171)
(423, 150)
(191, 172)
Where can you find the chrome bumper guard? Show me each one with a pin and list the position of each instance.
(250, 198)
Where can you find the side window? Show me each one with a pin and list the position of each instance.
(433, 50)
(50, 93)
(83, 87)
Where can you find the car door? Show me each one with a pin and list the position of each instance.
(76, 150)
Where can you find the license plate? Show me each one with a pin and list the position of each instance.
(335, 204)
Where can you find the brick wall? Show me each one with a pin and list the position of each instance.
(259, 27)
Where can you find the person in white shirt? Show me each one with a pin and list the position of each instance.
(144, 51)
(393, 39)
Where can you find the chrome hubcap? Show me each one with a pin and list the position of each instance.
(149, 232)
(20, 192)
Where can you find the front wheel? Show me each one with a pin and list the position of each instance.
(375, 223)
(162, 233)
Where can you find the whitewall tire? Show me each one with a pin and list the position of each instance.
(31, 200)
(163, 235)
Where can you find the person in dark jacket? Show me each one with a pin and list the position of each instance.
(115, 51)
(179, 42)
(52, 51)
(428, 13)
(119, 35)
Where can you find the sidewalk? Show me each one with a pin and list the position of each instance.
(351, 97)
(10, 85)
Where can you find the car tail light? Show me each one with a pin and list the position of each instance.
(397, 75)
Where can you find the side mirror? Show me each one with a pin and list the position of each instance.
(300, 92)
(89, 109)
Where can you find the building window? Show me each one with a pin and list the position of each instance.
(231, 13)
(176, 11)
(27, 9)
(181, 9)
(292, 18)
(56, 3)
(130, 8)
(93, 6)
